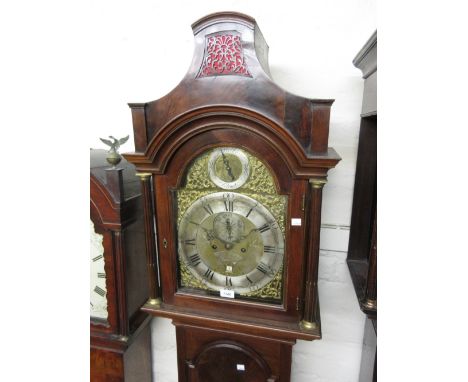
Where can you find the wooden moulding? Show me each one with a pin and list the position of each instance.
(306, 120)
(281, 331)
(151, 256)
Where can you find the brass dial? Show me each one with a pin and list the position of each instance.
(230, 241)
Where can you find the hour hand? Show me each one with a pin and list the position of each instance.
(209, 234)
(250, 233)
(228, 168)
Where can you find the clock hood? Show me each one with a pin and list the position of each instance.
(229, 74)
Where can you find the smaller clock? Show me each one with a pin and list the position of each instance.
(120, 335)
(228, 168)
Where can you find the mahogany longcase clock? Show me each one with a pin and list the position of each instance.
(120, 331)
(232, 170)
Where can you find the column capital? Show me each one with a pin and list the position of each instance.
(307, 325)
(143, 175)
(370, 304)
(317, 182)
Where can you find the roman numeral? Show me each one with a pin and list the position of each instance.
(264, 228)
(228, 281)
(269, 249)
(250, 211)
(195, 259)
(194, 222)
(250, 281)
(101, 275)
(99, 291)
(208, 208)
(265, 269)
(229, 205)
(209, 274)
(190, 242)
(98, 257)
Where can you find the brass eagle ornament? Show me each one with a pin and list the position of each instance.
(113, 156)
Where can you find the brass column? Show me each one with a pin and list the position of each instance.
(370, 299)
(309, 319)
(150, 243)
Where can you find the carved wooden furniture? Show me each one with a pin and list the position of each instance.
(120, 331)
(232, 169)
(362, 250)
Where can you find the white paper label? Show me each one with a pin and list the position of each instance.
(296, 221)
(226, 293)
(240, 367)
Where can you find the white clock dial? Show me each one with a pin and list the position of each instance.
(98, 292)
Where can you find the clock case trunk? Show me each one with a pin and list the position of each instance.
(239, 107)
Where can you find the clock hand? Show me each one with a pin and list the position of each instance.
(209, 234)
(228, 168)
(229, 229)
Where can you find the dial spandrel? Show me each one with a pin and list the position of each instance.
(98, 299)
(231, 239)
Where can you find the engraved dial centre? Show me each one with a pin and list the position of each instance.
(230, 241)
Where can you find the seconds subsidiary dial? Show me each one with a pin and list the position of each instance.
(230, 241)
(228, 168)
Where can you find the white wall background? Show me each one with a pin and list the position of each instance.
(140, 50)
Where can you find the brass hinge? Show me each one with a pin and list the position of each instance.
(298, 303)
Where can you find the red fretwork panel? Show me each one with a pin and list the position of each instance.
(223, 55)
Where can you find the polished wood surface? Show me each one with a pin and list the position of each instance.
(129, 362)
(313, 241)
(305, 121)
(150, 237)
(116, 211)
(209, 355)
(240, 107)
(363, 216)
(362, 250)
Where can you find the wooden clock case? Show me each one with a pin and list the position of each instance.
(362, 249)
(120, 345)
(235, 105)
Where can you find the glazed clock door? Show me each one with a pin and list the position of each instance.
(230, 228)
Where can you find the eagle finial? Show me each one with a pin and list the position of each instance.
(113, 156)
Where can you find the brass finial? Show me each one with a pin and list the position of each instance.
(317, 182)
(113, 156)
